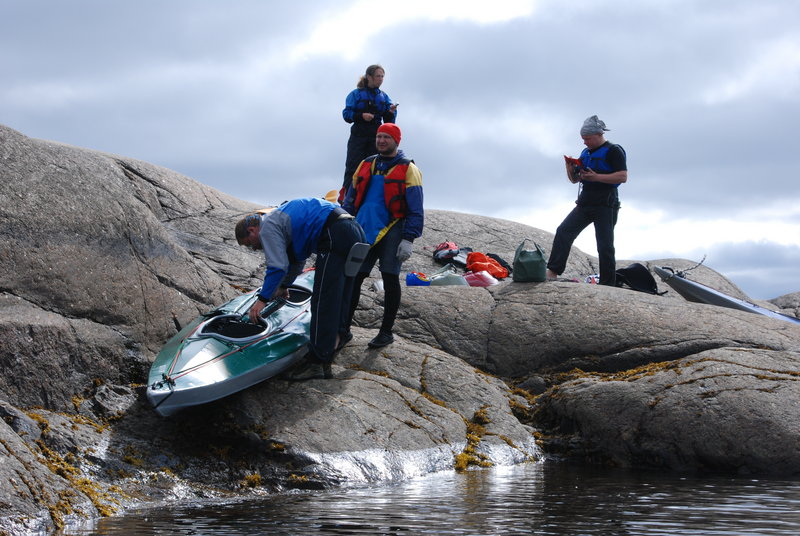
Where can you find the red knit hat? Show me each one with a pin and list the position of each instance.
(392, 130)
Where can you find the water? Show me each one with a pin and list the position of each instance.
(542, 499)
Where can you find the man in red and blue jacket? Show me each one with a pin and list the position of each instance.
(386, 198)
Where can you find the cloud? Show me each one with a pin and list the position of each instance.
(247, 97)
(347, 32)
(772, 72)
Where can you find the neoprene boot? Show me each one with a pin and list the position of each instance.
(381, 339)
(312, 370)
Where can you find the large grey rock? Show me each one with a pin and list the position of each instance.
(99, 254)
(47, 358)
(788, 303)
(513, 329)
(402, 411)
(728, 409)
(103, 256)
(395, 412)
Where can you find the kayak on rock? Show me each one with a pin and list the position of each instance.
(699, 293)
(222, 352)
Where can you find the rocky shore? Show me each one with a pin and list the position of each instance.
(104, 257)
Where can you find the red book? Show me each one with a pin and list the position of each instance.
(575, 166)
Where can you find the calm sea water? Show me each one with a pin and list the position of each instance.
(546, 499)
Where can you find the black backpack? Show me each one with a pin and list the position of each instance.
(637, 277)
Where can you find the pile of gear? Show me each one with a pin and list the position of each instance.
(463, 266)
(479, 269)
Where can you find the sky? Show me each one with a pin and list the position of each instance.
(246, 96)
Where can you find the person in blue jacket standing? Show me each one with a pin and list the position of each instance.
(288, 235)
(386, 198)
(603, 167)
(366, 107)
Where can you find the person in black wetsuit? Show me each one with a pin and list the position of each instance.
(366, 108)
(602, 168)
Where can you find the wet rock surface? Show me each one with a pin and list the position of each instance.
(104, 257)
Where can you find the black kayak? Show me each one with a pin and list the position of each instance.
(699, 293)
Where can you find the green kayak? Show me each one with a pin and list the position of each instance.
(222, 352)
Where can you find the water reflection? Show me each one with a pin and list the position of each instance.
(544, 499)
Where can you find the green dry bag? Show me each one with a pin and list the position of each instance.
(529, 264)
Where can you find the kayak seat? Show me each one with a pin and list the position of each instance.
(232, 327)
(298, 295)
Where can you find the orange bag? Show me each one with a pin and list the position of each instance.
(477, 262)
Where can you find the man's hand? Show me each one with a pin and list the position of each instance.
(366, 116)
(281, 292)
(255, 311)
(570, 168)
(588, 174)
(404, 250)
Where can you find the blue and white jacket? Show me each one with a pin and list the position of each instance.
(289, 235)
(370, 100)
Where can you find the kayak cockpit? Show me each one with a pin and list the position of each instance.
(233, 328)
(237, 327)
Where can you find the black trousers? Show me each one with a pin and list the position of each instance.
(358, 148)
(604, 219)
(330, 300)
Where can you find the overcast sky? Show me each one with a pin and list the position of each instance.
(246, 96)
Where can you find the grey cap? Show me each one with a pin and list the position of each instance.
(593, 125)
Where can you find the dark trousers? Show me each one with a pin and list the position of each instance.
(391, 298)
(604, 219)
(358, 148)
(385, 254)
(330, 300)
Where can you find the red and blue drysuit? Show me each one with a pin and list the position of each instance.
(386, 198)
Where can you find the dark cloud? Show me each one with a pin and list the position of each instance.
(702, 95)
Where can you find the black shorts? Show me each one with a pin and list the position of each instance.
(385, 252)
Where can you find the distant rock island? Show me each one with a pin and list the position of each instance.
(104, 257)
